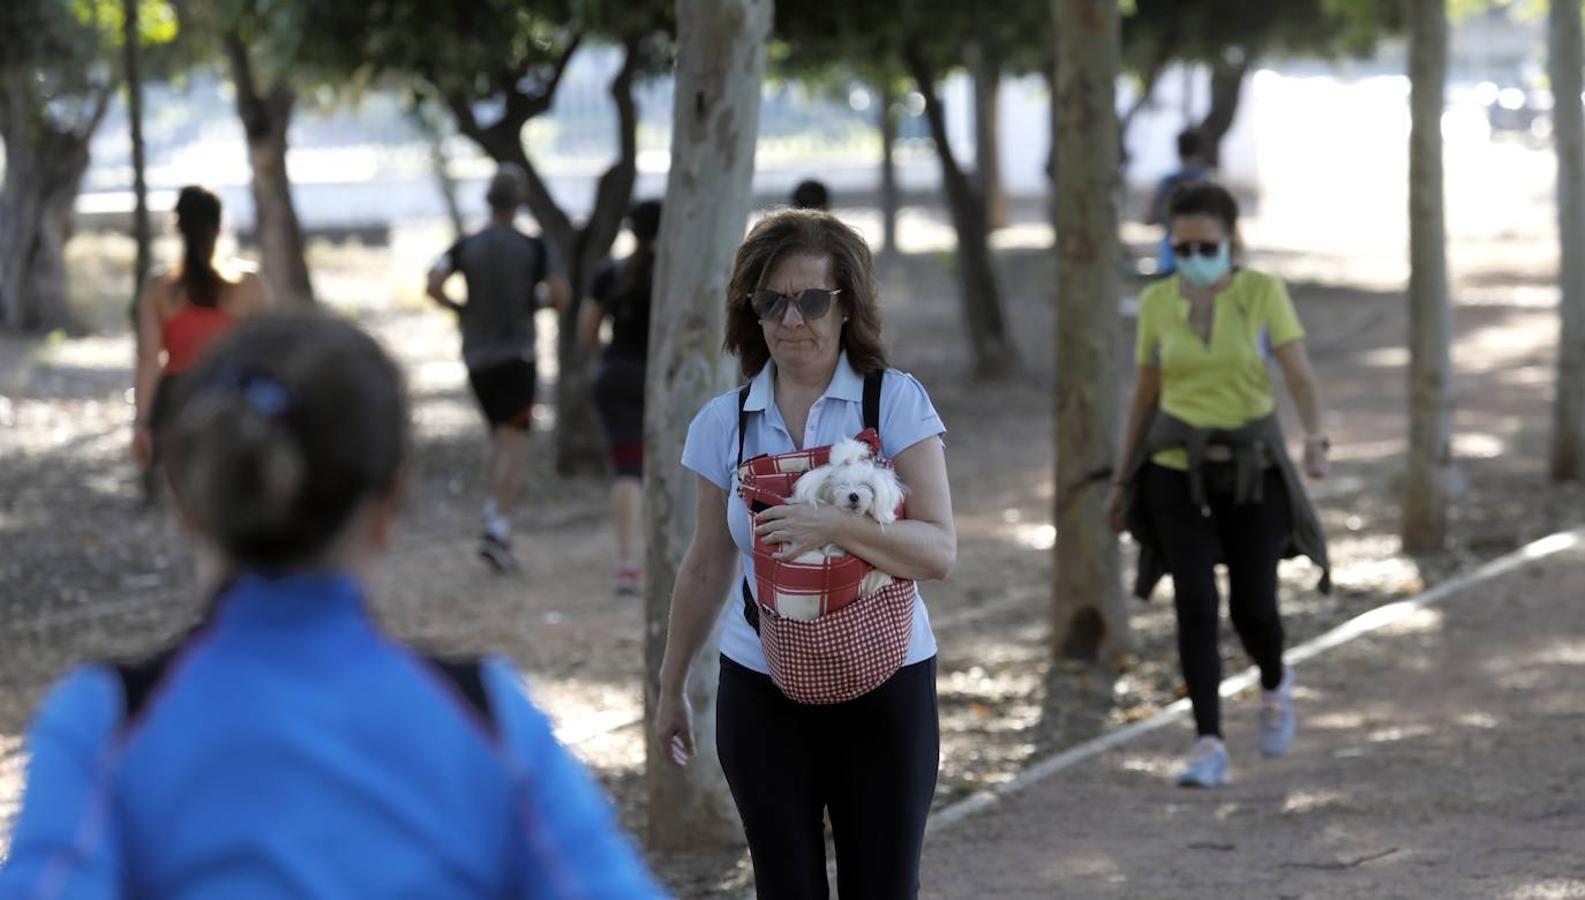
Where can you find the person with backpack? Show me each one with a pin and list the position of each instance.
(287, 747)
(506, 271)
(836, 715)
(620, 294)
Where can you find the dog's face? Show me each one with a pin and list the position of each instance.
(862, 488)
(850, 489)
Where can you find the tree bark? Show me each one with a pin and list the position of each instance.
(721, 54)
(889, 199)
(987, 78)
(132, 60)
(1089, 619)
(1567, 60)
(1227, 90)
(1430, 455)
(45, 162)
(266, 115)
(993, 352)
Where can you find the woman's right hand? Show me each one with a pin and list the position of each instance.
(1116, 516)
(674, 726)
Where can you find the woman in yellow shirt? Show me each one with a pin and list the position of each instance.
(1212, 478)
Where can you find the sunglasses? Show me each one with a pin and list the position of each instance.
(771, 305)
(1197, 248)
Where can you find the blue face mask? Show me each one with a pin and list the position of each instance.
(1205, 270)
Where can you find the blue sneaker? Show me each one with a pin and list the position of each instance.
(1278, 724)
(1207, 766)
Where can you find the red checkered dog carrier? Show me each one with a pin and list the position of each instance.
(857, 642)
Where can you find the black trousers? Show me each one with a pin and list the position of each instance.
(870, 762)
(1251, 538)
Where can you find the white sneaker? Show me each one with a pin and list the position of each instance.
(1278, 723)
(1207, 766)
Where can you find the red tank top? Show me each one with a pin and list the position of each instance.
(190, 332)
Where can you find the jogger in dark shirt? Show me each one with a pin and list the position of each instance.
(505, 271)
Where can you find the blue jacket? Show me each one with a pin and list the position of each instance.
(290, 749)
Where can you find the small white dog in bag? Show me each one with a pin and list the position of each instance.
(853, 483)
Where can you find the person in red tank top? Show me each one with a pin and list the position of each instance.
(182, 312)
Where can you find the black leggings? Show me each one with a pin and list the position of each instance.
(1251, 538)
(870, 762)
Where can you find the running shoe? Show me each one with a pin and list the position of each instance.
(498, 553)
(1207, 766)
(629, 580)
(1278, 723)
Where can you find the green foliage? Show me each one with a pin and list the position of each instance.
(70, 49)
(157, 21)
(480, 49)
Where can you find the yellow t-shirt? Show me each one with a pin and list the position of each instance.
(1223, 382)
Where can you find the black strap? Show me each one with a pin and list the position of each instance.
(742, 419)
(466, 675)
(750, 608)
(141, 678)
(872, 399)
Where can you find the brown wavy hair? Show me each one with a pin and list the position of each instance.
(791, 232)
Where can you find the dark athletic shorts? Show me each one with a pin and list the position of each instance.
(619, 395)
(505, 392)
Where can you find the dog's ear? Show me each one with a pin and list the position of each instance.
(809, 489)
(888, 495)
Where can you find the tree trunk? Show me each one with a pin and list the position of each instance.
(889, 200)
(1089, 618)
(1227, 89)
(1568, 414)
(266, 117)
(45, 162)
(1430, 413)
(987, 77)
(1054, 129)
(721, 51)
(994, 354)
(132, 60)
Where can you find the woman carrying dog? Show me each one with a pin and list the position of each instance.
(804, 322)
(287, 747)
(1209, 479)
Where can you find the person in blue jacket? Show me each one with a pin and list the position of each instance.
(287, 747)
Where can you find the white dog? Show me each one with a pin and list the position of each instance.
(853, 483)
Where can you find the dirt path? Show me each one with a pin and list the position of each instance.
(1441, 757)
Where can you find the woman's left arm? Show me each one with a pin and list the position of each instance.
(923, 547)
(1300, 378)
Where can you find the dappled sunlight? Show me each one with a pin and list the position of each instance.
(1090, 864)
(1417, 621)
(1549, 889)
(1396, 733)
(1383, 358)
(1482, 720)
(1305, 802)
(1036, 537)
